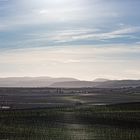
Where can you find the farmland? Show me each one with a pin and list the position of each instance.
(69, 114)
(22, 98)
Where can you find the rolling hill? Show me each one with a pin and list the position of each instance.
(65, 82)
(31, 81)
(105, 84)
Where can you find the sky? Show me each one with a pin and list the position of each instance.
(84, 39)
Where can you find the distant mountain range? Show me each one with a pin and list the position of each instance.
(105, 84)
(65, 82)
(32, 81)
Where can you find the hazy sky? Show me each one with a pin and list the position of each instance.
(84, 39)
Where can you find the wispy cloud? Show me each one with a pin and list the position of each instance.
(24, 13)
(67, 36)
(92, 34)
(71, 54)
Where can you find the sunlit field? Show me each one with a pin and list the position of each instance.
(112, 122)
(71, 115)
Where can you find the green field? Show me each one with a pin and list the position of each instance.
(107, 122)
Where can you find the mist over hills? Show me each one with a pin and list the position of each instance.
(100, 80)
(65, 82)
(105, 84)
(32, 81)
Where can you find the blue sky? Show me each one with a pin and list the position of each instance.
(84, 39)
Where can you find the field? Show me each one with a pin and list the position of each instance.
(69, 114)
(22, 98)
